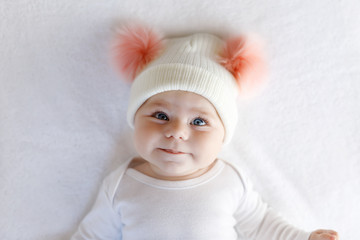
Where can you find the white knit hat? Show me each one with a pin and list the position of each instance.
(198, 63)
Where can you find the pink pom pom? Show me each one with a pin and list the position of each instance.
(244, 59)
(135, 46)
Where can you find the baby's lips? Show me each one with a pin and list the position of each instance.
(172, 151)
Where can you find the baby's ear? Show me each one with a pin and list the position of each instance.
(134, 47)
(244, 58)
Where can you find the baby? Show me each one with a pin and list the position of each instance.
(183, 110)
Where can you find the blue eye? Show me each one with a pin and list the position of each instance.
(161, 116)
(199, 122)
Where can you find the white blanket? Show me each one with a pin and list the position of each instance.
(62, 107)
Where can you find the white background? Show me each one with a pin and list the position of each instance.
(62, 107)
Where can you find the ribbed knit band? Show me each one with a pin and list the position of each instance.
(189, 64)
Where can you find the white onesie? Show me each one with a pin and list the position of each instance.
(217, 205)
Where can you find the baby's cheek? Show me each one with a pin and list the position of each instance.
(146, 134)
(209, 143)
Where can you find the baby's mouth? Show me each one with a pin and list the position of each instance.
(172, 151)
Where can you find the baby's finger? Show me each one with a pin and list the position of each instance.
(322, 234)
(330, 235)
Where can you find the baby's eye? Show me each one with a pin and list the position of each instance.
(161, 116)
(199, 122)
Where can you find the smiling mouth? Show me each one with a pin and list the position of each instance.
(171, 151)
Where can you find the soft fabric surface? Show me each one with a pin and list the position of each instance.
(62, 107)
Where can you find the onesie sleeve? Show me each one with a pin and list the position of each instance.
(257, 221)
(103, 221)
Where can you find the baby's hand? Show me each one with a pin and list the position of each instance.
(324, 235)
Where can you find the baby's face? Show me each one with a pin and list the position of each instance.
(179, 133)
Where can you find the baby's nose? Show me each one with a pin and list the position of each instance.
(177, 130)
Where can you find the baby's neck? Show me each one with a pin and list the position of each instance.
(146, 168)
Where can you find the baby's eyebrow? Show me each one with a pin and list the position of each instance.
(201, 112)
(198, 110)
(158, 104)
